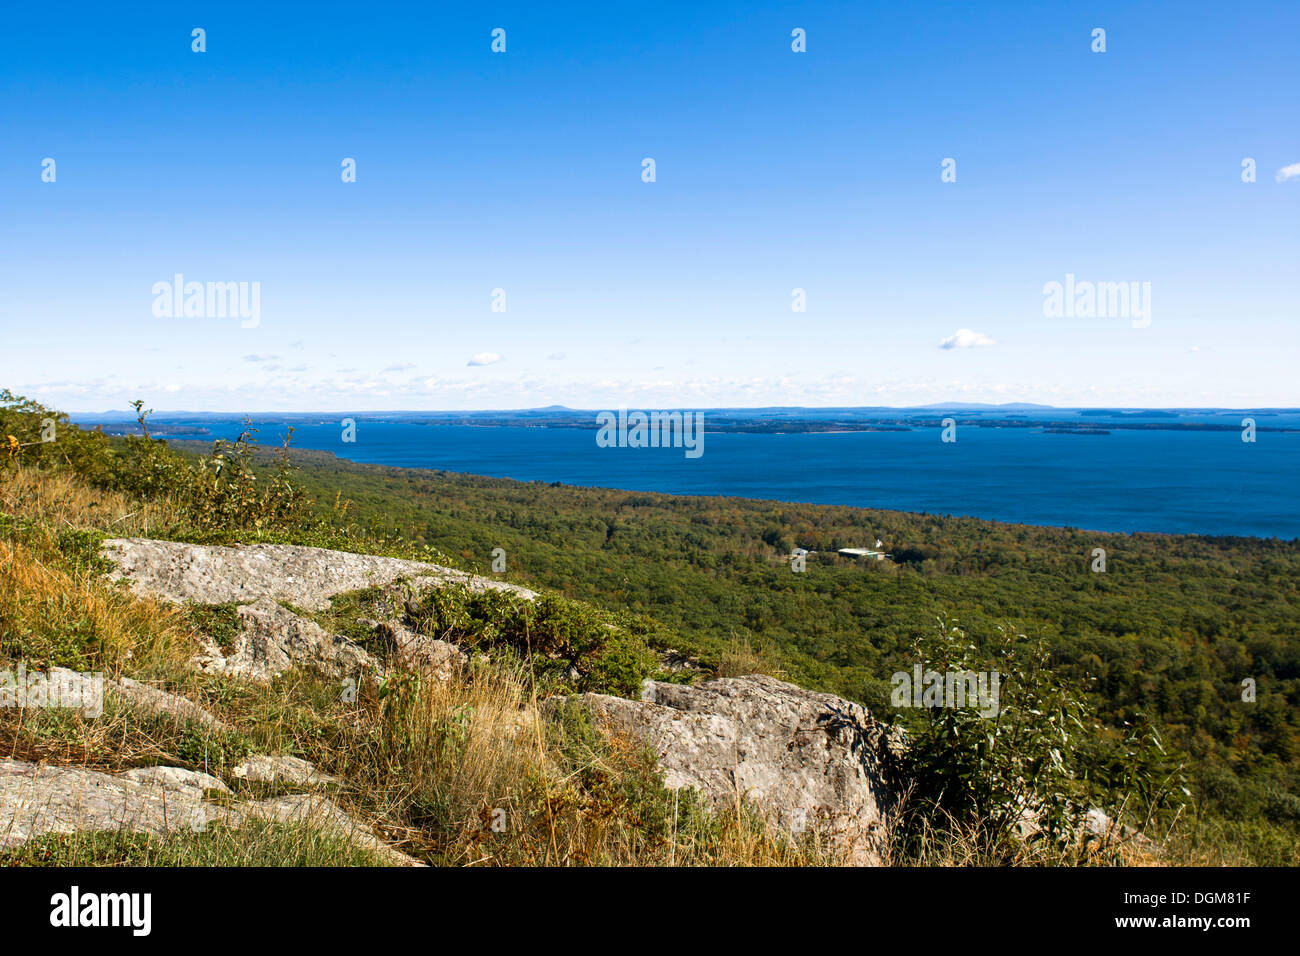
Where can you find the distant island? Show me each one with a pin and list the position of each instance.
(773, 420)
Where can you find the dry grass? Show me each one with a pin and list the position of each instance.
(52, 615)
(475, 771)
(121, 738)
(741, 659)
(955, 843)
(256, 843)
(1217, 842)
(60, 499)
(57, 609)
(74, 618)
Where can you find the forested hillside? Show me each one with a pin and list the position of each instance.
(1173, 631)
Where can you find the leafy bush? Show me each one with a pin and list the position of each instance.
(33, 433)
(220, 492)
(1036, 767)
(223, 491)
(569, 642)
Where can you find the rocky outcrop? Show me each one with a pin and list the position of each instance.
(808, 761)
(161, 702)
(283, 771)
(273, 640)
(36, 800)
(805, 759)
(417, 651)
(304, 577)
(140, 696)
(321, 813)
(1095, 828)
(675, 662)
(175, 778)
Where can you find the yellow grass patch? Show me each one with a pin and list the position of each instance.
(61, 499)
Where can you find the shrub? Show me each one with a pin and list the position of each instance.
(569, 643)
(1043, 759)
(219, 493)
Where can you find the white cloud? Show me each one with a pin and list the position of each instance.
(1287, 173)
(557, 356)
(484, 358)
(403, 367)
(964, 339)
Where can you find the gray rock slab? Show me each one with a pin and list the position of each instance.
(285, 771)
(304, 577)
(805, 759)
(38, 799)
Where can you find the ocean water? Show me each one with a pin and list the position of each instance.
(1198, 482)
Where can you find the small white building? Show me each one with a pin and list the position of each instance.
(862, 553)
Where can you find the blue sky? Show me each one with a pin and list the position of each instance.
(775, 170)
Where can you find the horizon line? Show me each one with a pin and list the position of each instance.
(714, 408)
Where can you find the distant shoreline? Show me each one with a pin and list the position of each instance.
(730, 422)
(324, 459)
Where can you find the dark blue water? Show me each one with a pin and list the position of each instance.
(1200, 482)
